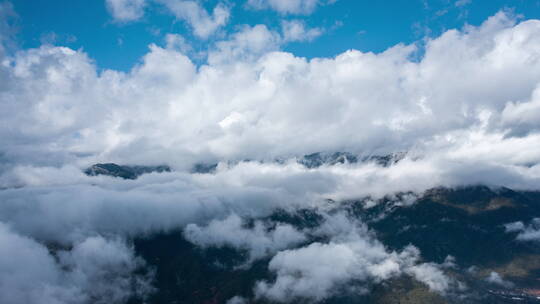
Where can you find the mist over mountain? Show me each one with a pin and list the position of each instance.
(234, 171)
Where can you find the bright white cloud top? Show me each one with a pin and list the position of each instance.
(471, 88)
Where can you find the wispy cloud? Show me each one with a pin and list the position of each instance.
(126, 10)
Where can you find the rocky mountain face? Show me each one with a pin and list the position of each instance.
(310, 161)
(318, 159)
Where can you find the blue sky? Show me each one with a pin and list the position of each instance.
(344, 24)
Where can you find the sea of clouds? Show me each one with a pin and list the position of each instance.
(466, 111)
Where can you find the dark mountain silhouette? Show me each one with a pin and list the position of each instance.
(126, 172)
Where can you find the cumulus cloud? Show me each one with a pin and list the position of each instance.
(28, 273)
(105, 270)
(202, 23)
(177, 42)
(523, 116)
(126, 10)
(260, 240)
(530, 232)
(252, 101)
(353, 260)
(295, 30)
(95, 270)
(495, 278)
(431, 275)
(286, 6)
(248, 44)
(88, 206)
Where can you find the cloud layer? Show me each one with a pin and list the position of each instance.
(259, 241)
(95, 270)
(467, 92)
(352, 260)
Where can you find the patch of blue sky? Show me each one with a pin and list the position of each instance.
(368, 26)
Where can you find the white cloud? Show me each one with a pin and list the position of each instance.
(153, 203)
(170, 111)
(295, 30)
(237, 300)
(515, 226)
(530, 232)
(27, 272)
(286, 6)
(496, 279)
(259, 241)
(202, 23)
(105, 270)
(432, 276)
(126, 10)
(523, 117)
(177, 42)
(94, 271)
(317, 271)
(248, 44)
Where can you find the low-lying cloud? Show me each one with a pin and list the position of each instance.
(525, 232)
(95, 270)
(259, 241)
(352, 261)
